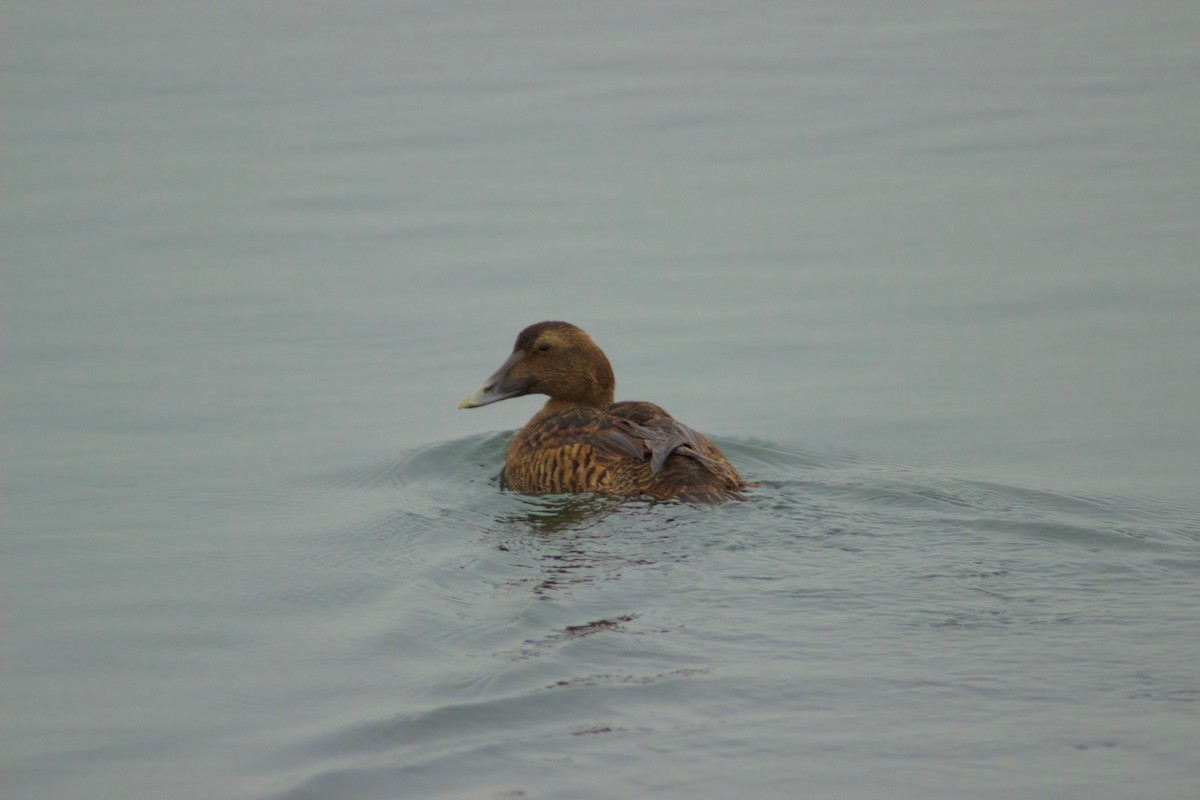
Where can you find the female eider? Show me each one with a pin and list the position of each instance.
(581, 441)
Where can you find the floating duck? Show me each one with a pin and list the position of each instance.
(581, 441)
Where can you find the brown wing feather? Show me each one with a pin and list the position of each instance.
(625, 449)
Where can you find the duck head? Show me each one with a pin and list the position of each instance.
(556, 359)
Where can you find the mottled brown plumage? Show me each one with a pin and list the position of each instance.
(581, 441)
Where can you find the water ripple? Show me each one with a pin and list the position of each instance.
(517, 625)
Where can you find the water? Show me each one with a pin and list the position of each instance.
(929, 273)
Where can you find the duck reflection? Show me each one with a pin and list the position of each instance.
(551, 515)
(582, 539)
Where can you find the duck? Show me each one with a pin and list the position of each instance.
(581, 441)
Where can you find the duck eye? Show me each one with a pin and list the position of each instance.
(543, 347)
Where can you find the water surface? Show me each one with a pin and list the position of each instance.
(928, 273)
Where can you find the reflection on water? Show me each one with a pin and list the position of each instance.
(556, 514)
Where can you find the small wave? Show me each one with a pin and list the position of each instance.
(806, 490)
(468, 458)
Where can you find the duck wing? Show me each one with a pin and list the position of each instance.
(630, 429)
(624, 449)
(656, 434)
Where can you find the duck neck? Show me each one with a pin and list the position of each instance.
(600, 400)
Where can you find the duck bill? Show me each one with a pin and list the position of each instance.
(500, 386)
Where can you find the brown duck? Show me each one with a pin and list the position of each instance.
(581, 441)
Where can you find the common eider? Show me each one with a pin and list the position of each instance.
(581, 441)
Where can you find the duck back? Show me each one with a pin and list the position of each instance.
(629, 448)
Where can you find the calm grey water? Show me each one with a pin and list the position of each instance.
(928, 271)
